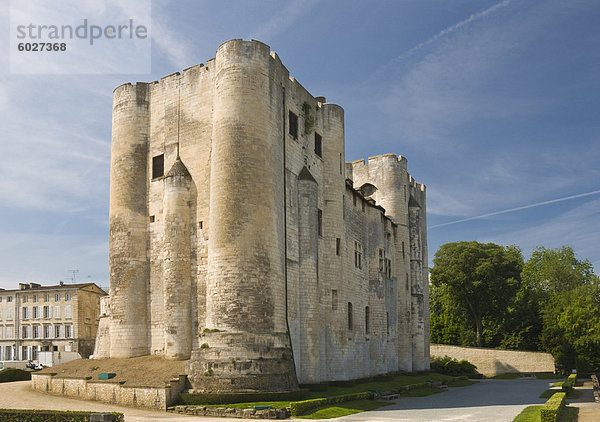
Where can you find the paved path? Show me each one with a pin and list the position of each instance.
(18, 395)
(489, 400)
(589, 410)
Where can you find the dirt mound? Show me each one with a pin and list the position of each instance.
(143, 371)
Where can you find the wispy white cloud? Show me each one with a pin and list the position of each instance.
(283, 19)
(523, 207)
(577, 227)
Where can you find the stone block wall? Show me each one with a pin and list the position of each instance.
(492, 362)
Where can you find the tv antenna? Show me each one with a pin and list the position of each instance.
(74, 272)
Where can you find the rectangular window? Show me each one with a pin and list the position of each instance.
(350, 322)
(403, 252)
(25, 299)
(46, 297)
(381, 259)
(68, 311)
(158, 166)
(9, 332)
(0, 299)
(293, 123)
(318, 145)
(57, 297)
(334, 299)
(367, 320)
(68, 331)
(47, 311)
(388, 267)
(320, 222)
(57, 331)
(9, 299)
(35, 312)
(338, 246)
(25, 312)
(68, 297)
(35, 298)
(47, 331)
(406, 281)
(387, 322)
(36, 331)
(25, 331)
(357, 255)
(24, 353)
(57, 312)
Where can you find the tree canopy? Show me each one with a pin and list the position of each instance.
(485, 295)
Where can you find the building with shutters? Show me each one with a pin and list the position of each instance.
(59, 318)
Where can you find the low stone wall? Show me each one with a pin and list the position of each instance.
(492, 362)
(110, 392)
(224, 412)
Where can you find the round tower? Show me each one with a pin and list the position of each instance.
(416, 270)
(128, 220)
(177, 267)
(246, 345)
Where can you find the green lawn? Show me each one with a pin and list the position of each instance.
(548, 376)
(250, 405)
(532, 414)
(344, 409)
(461, 383)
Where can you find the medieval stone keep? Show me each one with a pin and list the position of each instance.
(241, 241)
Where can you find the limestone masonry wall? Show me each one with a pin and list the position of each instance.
(242, 241)
(492, 362)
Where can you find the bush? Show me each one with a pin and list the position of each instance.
(569, 383)
(229, 398)
(14, 374)
(450, 366)
(553, 408)
(306, 406)
(15, 415)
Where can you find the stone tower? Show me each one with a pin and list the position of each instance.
(242, 242)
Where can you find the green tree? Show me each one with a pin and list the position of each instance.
(479, 280)
(568, 294)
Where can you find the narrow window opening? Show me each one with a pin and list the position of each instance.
(293, 124)
(354, 199)
(340, 163)
(318, 145)
(158, 166)
(362, 204)
(403, 252)
(381, 260)
(338, 246)
(387, 322)
(357, 255)
(388, 266)
(320, 222)
(350, 322)
(152, 219)
(367, 320)
(334, 299)
(200, 225)
(407, 281)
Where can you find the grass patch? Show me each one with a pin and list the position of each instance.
(510, 376)
(571, 394)
(462, 383)
(344, 409)
(529, 414)
(558, 384)
(532, 414)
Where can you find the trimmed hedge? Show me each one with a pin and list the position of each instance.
(229, 398)
(569, 383)
(14, 374)
(553, 408)
(17, 415)
(306, 406)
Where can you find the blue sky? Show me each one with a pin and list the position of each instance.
(494, 104)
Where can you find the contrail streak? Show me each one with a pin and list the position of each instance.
(524, 207)
(446, 31)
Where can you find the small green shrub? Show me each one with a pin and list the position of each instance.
(569, 383)
(204, 346)
(553, 408)
(212, 330)
(14, 374)
(14, 415)
(450, 366)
